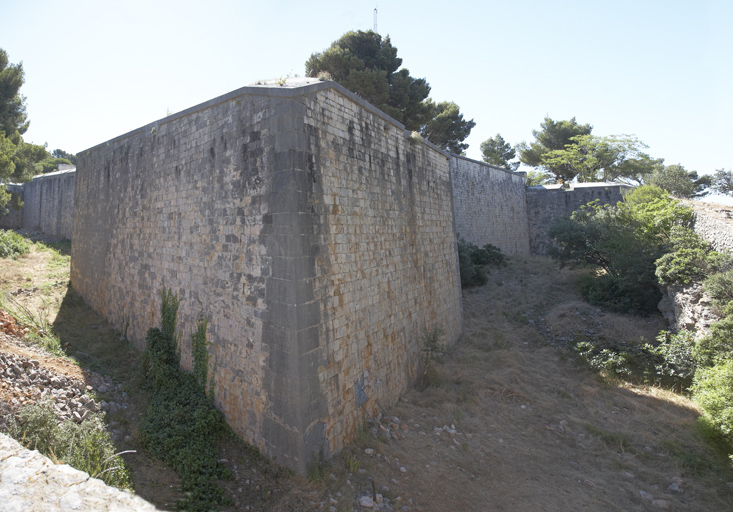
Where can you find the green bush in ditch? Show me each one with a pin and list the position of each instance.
(12, 244)
(182, 426)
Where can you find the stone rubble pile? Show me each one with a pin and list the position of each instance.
(28, 382)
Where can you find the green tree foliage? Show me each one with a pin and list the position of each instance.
(13, 117)
(621, 243)
(722, 182)
(496, 151)
(593, 158)
(553, 136)
(691, 259)
(368, 65)
(678, 181)
(19, 160)
(536, 177)
(447, 129)
(60, 153)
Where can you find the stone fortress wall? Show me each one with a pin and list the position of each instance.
(489, 205)
(48, 204)
(308, 227)
(547, 203)
(312, 230)
(713, 222)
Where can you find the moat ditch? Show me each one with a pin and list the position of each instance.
(511, 421)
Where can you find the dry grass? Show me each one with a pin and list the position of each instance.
(545, 432)
(536, 430)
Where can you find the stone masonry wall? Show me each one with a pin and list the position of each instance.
(489, 205)
(48, 204)
(14, 218)
(304, 225)
(389, 268)
(545, 204)
(714, 223)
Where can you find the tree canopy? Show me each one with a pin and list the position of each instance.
(496, 151)
(722, 182)
(679, 182)
(568, 150)
(367, 65)
(592, 158)
(19, 160)
(13, 117)
(553, 136)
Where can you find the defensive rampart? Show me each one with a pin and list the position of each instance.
(315, 235)
(48, 204)
(489, 205)
(547, 203)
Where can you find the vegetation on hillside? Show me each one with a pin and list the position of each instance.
(632, 249)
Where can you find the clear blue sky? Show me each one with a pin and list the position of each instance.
(659, 69)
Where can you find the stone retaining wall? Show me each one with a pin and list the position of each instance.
(714, 223)
(489, 205)
(304, 223)
(48, 204)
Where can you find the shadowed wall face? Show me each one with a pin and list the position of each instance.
(489, 206)
(48, 204)
(312, 233)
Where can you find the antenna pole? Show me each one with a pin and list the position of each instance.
(375, 20)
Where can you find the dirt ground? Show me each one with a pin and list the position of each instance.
(511, 422)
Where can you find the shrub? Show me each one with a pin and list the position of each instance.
(674, 358)
(720, 287)
(182, 426)
(716, 346)
(622, 243)
(86, 446)
(713, 391)
(12, 244)
(691, 259)
(432, 352)
(472, 259)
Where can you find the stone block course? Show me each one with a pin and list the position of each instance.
(489, 205)
(316, 237)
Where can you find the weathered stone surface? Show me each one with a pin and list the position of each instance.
(48, 204)
(312, 232)
(30, 481)
(489, 205)
(688, 307)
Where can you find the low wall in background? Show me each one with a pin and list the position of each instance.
(547, 203)
(489, 205)
(48, 204)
